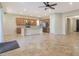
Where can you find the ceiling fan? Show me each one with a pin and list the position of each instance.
(48, 5)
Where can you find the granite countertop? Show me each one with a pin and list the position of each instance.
(31, 27)
(34, 27)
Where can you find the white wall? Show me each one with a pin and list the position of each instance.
(58, 24)
(73, 25)
(52, 23)
(9, 23)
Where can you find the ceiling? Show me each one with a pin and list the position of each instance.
(32, 8)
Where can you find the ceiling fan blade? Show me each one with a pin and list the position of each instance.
(51, 7)
(45, 3)
(54, 4)
(41, 6)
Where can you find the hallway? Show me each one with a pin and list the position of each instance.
(45, 44)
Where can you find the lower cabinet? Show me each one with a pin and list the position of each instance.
(18, 30)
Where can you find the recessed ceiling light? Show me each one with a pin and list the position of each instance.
(70, 3)
(24, 9)
(8, 9)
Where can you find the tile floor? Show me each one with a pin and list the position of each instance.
(45, 45)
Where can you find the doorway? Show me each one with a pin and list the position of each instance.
(77, 25)
(46, 26)
(72, 25)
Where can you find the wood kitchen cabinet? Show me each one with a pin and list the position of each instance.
(18, 30)
(33, 22)
(20, 21)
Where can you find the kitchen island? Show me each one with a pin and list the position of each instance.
(33, 30)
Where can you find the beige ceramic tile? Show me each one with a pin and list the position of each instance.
(45, 45)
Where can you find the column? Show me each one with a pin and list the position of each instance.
(56, 23)
(1, 26)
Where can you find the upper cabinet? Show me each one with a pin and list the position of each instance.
(33, 22)
(20, 21)
(24, 21)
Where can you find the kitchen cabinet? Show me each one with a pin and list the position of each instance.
(18, 30)
(20, 21)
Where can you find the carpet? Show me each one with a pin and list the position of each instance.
(7, 46)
